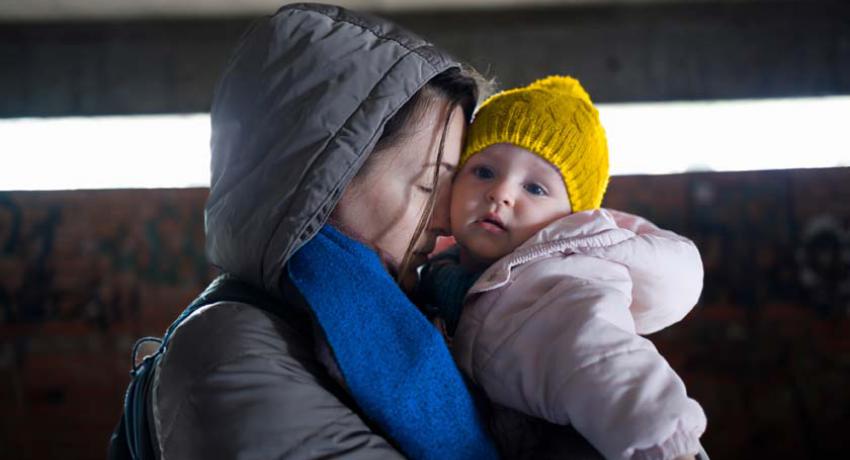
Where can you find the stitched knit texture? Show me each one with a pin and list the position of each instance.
(555, 119)
(394, 362)
(443, 284)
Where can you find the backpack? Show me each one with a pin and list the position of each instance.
(132, 439)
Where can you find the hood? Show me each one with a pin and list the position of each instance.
(300, 105)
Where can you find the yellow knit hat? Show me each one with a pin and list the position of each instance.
(555, 119)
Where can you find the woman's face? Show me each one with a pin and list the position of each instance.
(383, 208)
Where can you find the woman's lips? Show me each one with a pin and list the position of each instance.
(420, 257)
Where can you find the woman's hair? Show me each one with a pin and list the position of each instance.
(463, 87)
(460, 86)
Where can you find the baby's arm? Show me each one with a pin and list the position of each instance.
(570, 354)
(442, 286)
(665, 267)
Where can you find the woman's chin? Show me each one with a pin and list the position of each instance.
(406, 282)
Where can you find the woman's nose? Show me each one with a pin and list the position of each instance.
(440, 223)
(501, 193)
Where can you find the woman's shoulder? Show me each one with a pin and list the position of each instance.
(224, 331)
(235, 335)
(239, 379)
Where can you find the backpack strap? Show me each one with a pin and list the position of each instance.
(132, 438)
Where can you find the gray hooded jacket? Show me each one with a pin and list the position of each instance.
(300, 106)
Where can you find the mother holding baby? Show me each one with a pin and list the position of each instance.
(335, 137)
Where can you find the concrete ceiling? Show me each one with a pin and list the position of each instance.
(70, 10)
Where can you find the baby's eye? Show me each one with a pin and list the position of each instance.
(483, 172)
(535, 189)
(425, 189)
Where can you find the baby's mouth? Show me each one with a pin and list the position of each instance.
(492, 223)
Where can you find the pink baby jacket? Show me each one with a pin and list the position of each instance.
(553, 330)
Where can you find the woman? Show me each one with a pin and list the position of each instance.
(323, 115)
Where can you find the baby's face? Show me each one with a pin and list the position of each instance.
(501, 197)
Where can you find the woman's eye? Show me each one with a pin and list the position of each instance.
(425, 189)
(483, 172)
(535, 189)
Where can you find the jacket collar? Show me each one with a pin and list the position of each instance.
(567, 235)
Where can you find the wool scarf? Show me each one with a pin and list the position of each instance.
(394, 362)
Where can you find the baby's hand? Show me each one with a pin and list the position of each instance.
(443, 243)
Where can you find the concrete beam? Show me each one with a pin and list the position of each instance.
(621, 53)
(82, 10)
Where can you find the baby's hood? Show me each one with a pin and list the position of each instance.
(665, 268)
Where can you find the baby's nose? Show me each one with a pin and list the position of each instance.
(501, 193)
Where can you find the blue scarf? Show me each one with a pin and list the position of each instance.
(394, 362)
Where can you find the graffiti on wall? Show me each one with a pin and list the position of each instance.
(823, 257)
(766, 352)
(77, 259)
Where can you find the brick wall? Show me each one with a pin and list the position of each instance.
(82, 275)
(767, 351)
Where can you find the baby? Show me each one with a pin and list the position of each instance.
(545, 293)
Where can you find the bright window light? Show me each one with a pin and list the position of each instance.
(744, 135)
(172, 151)
(162, 151)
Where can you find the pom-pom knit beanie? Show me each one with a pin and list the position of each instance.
(555, 119)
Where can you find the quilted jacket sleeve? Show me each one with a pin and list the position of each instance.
(665, 268)
(239, 383)
(564, 348)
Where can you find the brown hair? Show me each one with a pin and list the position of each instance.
(462, 87)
